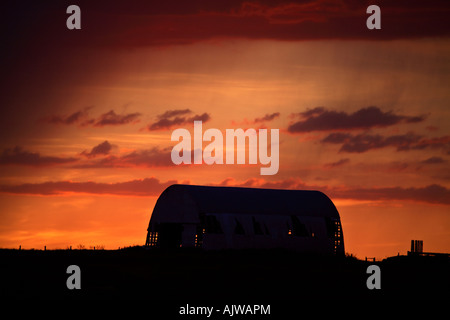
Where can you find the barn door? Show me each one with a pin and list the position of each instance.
(170, 235)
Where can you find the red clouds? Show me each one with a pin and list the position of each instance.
(138, 187)
(172, 23)
(158, 23)
(434, 194)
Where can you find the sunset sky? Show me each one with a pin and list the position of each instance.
(87, 115)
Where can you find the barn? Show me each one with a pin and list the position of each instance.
(238, 218)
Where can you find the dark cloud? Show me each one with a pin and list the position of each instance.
(257, 121)
(430, 194)
(173, 22)
(435, 193)
(81, 118)
(267, 117)
(321, 119)
(434, 160)
(166, 123)
(403, 142)
(337, 137)
(98, 157)
(172, 118)
(290, 183)
(397, 166)
(338, 163)
(365, 142)
(19, 156)
(442, 143)
(138, 187)
(432, 128)
(174, 113)
(78, 117)
(103, 148)
(154, 157)
(112, 119)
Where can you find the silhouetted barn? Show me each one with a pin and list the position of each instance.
(235, 218)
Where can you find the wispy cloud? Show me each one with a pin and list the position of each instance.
(80, 117)
(260, 121)
(435, 194)
(19, 156)
(267, 117)
(100, 156)
(137, 187)
(364, 142)
(434, 160)
(173, 23)
(402, 142)
(148, 158)
(290, 183)
(338, 163)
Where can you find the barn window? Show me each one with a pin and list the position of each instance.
(198, 241)
(257, 227)
(152, 238)
(266, 229)
(199, 236)
(239, 229)
(334, 231)
(213, 225)
(298, 228)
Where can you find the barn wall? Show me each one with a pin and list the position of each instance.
(269, 231)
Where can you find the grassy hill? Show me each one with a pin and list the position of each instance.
(192, 275)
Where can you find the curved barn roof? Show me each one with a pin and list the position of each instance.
(185, 202)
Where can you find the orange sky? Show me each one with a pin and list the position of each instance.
(85, 148)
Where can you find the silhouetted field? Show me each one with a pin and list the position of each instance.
(191, 275)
